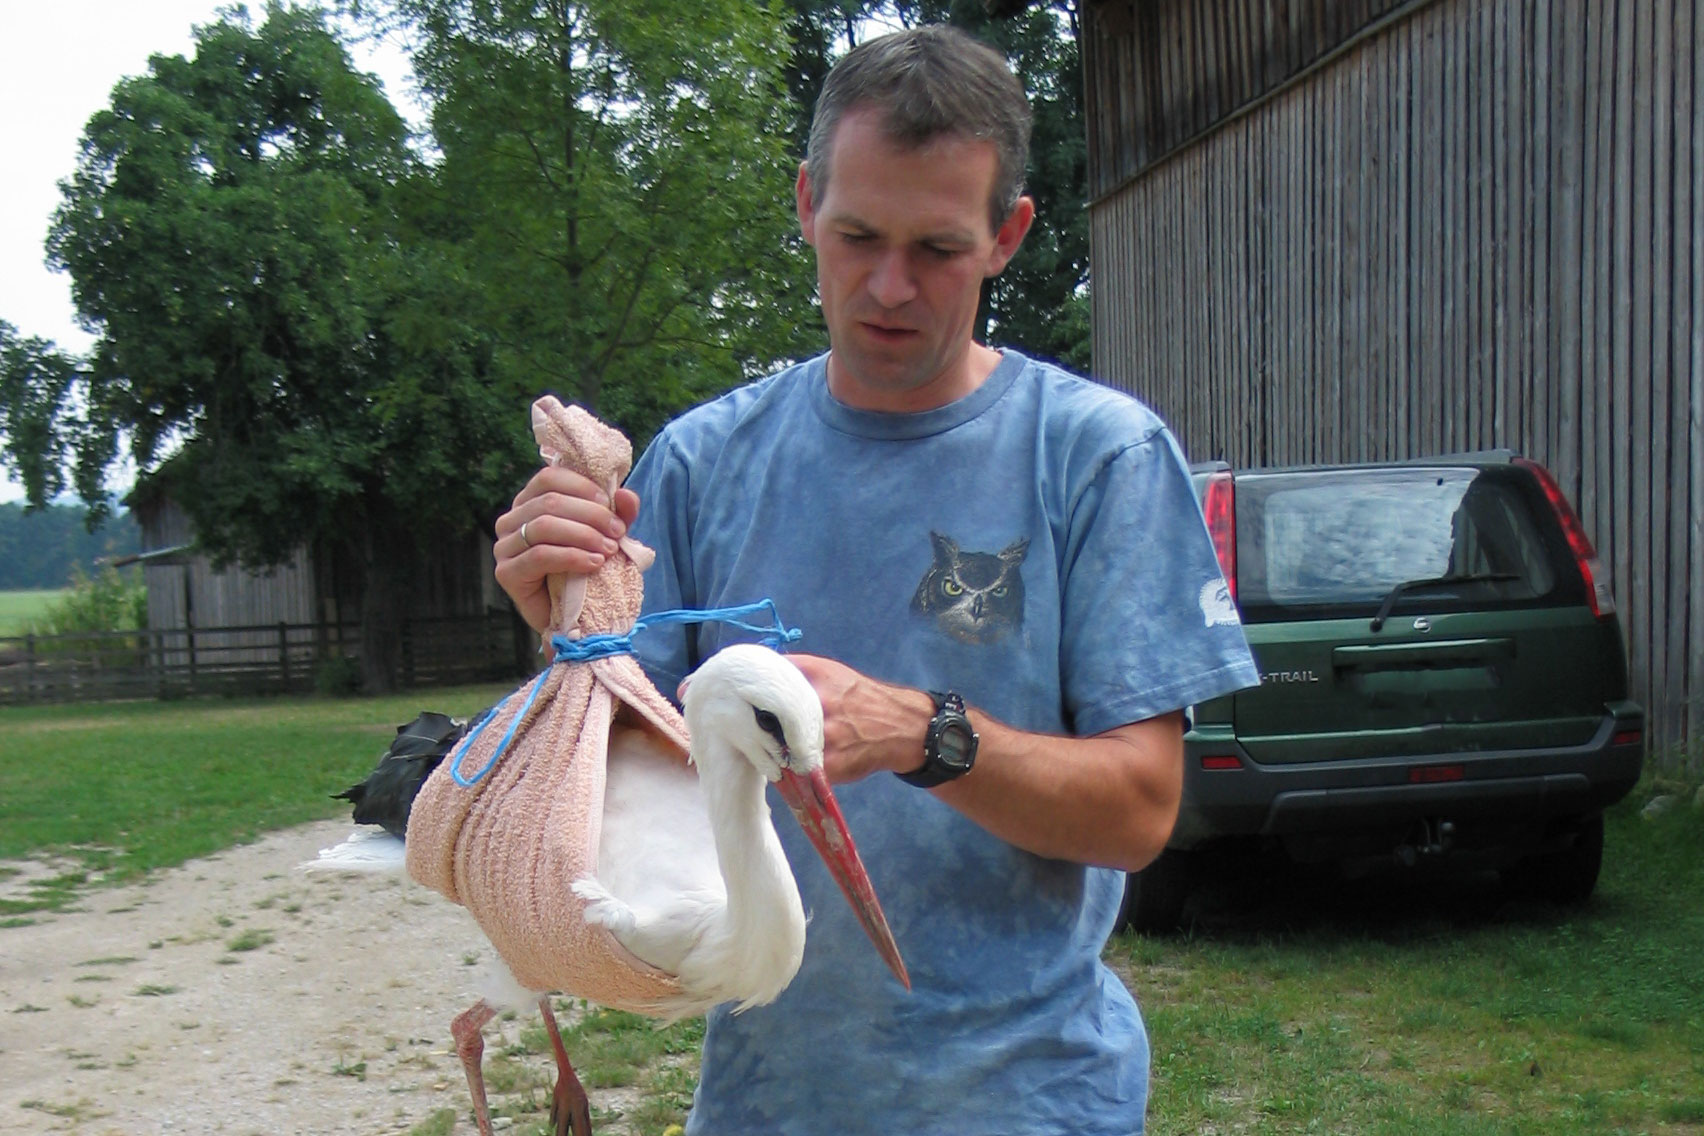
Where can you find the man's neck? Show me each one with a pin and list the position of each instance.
(948, 387)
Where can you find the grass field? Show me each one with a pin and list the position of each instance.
(119, 789)
(19, 609)
(1414, 1006)
(1296, 1005)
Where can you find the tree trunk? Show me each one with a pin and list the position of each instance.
(387, 564)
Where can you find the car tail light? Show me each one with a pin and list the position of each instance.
(1433, 774)
(1592, 573)
(1627, 738)
(1218, 761)
(1219, 507)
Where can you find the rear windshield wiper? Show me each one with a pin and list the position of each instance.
(1406, 586)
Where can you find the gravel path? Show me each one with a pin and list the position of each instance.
(237, 995)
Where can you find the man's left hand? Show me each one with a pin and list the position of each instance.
(869, 726)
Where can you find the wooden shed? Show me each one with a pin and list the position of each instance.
(1336, 230)
(213, 626)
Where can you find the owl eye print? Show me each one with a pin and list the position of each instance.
(975, 597)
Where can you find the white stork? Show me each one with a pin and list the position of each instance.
(691, 876)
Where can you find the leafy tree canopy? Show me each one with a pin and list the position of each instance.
(615, 173)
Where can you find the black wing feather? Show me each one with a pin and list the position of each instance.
(388, 793)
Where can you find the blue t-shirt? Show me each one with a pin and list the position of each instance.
(1035, 546)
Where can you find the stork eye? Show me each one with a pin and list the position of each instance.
(769, 724)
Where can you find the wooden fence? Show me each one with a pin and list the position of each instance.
(272, 658)
(1473, 224)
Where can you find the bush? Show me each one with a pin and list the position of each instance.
(107, 601)
(337, 675)
(96, 622)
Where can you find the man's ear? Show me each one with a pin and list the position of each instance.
(1010, 235)
(806, 209)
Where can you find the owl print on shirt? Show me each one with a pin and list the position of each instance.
(975, 597)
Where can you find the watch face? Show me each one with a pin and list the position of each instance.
(955, 747)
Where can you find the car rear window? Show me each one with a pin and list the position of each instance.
(1336, 543)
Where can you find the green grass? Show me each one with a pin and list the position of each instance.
(1413, 1006)
(18, 610)
(610, 1049)
(121, 789)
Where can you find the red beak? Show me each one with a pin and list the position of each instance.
(813, 803)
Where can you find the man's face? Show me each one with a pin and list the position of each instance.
(903, 245)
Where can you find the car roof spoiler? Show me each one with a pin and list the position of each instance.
(1462, 457)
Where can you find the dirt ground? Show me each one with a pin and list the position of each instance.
(237, 995)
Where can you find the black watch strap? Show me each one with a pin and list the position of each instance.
(949, 745)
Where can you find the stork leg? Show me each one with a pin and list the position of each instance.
(470, 1047)
(570, 1111)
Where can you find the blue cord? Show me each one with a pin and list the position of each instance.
(776, 636)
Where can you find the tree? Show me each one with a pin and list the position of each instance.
(40, 548)
(37, 383)
(615, 177)
(231, 238)
(1040, 303)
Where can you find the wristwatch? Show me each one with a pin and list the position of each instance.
(949, 745)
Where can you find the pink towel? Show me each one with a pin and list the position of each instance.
(510, 847)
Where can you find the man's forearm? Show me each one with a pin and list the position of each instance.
(1109, 800)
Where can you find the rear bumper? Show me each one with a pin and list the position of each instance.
(1514, 788)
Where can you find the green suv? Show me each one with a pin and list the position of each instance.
(1442, 679)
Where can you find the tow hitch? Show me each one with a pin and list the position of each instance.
(1434, 838)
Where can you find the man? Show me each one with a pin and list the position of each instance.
(936, 516)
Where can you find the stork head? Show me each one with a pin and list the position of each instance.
(752, 700)
(758, 703)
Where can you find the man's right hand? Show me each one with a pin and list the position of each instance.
(570, 526)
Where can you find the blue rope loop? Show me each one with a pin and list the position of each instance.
(775, 635)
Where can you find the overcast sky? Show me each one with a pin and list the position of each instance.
(58, 64)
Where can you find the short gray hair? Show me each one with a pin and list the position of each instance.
(927, 83)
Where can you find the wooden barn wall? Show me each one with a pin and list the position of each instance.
(193, 591)
(1162, 72)
(1481, 226)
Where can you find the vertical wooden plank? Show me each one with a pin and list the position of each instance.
(1197, 242)
(1358, 182)
(1278, 409)
(1694, 466)
(1652, 457)
(1682, 605)
(1238, 308)
(1249, 295)
(1520, 317)
(1311, 207)
(1325, 379)
(1542, 207)
(1452, 222)
(1259, 271)
(1473, 251)
(1463, 259)
(1399, 135)
(1490, 152)
(1597, 480)
(1508, 134)
(1626, 128)
(1306, 238)
(1574, 251)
